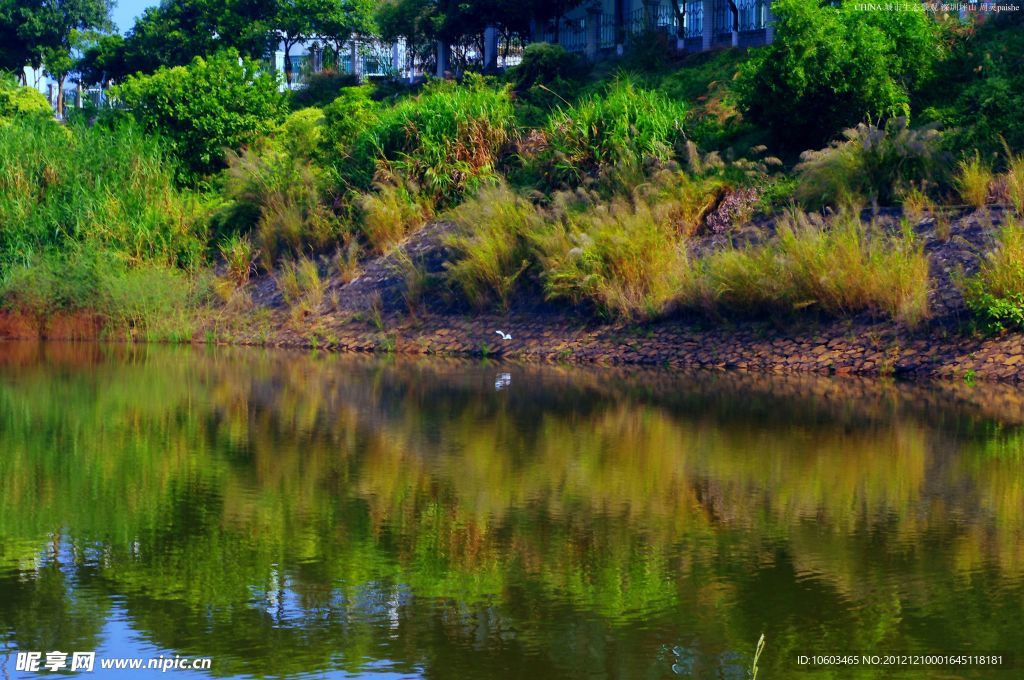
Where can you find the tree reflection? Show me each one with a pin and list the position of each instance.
(285, 512)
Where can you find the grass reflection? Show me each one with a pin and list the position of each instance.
(297, 513)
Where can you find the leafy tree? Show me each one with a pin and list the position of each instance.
(223, 101)
(176, 31)
(346, 19)
(298, 20)
(43, 31)
(103, 59)
(411, 21)
(978, 92)
(831, 67)
(14, 49)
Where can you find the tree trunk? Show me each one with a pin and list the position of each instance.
(680, 9)
(60, 96)
(288, 63)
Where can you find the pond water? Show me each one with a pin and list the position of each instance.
(297, 515)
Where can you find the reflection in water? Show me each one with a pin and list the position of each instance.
(289, 514)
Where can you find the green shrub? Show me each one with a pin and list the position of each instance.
(547, 76)
(17, 101)
(221, 102)
(996, 293)
(301, 133)
(491, 246)
(322, 88)
(871, 164)
(349, 114)
(832, 66)
(612, 134)
(978, 92)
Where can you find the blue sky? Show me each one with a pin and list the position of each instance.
(125, 12)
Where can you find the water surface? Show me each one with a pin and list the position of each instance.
(322, 516)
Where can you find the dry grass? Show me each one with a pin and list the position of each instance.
(621, 256)
(491, 245)
(1015, 181)
(974, 181)
(839, 268)
(346, 260)
(301, 286)
(239, 258)
(390, 213)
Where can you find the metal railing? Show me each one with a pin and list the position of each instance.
(693, 20)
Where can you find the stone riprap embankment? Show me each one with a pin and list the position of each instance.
(372, 314)
(842, 348)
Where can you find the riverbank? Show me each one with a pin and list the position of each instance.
(375, 311)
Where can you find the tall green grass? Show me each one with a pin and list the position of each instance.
(113, 189)
(92, 220)
(449, 140)
(614, 133)
(871, 164)
(996, 293)
(152, 300)
(281, 198)
(491, 245)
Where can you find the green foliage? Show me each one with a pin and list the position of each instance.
(547, 76)
(301, 133)
(221, 102)
(17, 101)
(978, 92)
(114, 189)
(612, 134)
(448, 140)
(320, 89)
(996, 293)
(871, 164)
(831, 67)
(349, 114)
(174, 32)
(544, 64)
(39, 33)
